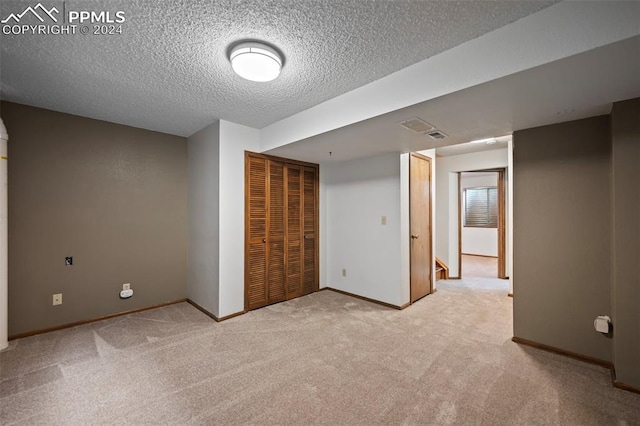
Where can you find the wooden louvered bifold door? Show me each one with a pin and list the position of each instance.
(281, 227)
(256, 250)
(310, 221)
(294, 231)
(276, 234)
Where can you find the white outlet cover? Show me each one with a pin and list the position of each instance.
(601, 323)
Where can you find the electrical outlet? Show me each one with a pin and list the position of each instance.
(344, 272)
(57, 299)
(126, 286)
(68, 261)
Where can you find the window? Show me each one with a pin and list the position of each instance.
(481, 207)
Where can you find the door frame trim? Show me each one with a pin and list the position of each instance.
(502, 215)
(432, 259)
(282, 159)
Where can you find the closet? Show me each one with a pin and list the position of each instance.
(281, 229)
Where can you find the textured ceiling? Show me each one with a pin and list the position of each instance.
(169, 71)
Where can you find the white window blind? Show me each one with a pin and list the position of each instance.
(481, 207)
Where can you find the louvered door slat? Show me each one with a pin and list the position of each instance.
(309, 217)
(257, 265)
(257, 198)
(309, 285)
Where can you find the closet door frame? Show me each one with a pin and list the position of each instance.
(285, 162)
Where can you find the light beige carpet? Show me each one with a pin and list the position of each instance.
(479, 266)
(321, 359)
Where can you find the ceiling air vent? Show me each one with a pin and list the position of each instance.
(417, 125)
(437, 134)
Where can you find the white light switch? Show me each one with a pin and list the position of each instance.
(383, 220)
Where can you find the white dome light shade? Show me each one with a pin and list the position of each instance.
(255, 62)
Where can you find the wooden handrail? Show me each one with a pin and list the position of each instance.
(441, 264)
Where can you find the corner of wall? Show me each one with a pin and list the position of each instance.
(625, 139)
(235, 139)
(510, 196)
(323, 227)
(405, 245)
(203, 153)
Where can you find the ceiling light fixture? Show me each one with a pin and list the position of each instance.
(489, 141)
(255, 61)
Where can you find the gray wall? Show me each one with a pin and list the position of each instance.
(204, 218)
(625, 126)
(113, 197)
(562, 235)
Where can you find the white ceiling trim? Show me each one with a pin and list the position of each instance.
(560, 31)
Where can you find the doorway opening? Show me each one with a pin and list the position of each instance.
(482, 224)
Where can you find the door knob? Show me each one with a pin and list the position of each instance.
(264, 240)
(415, 236)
